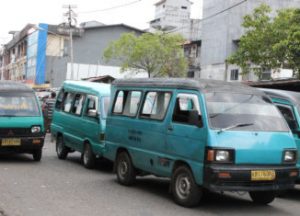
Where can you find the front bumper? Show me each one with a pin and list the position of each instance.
(26, 145)
(238, 178)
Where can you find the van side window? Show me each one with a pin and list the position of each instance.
(288, 115)
(92, 106)
(187, 110)
(127, 103)
(68, 101)
(132, 103)
(78, 104)
(59, 100)
(119, 103)
(155, 105)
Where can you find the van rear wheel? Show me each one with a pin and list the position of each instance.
(262, 197)
(37, 154)
(88, 157)
(125, 171)
(61, 150)
(185, 190)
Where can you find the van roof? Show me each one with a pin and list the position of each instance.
(12, 86)
(87, 87)
(203, 85)
(293, 97)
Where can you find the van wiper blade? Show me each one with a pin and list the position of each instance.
(235, 126)
(7, 115)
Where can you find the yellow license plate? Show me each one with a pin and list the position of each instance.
(11, 142)
(263, 175)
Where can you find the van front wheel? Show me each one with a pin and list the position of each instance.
(125, 170)
(88, 157)
(184, 188)
(61, 150)
(262, 197)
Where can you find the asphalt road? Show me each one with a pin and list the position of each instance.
(55, 187)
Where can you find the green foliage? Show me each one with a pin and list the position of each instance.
(158, 54)
(269, 43)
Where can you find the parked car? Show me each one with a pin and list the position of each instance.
(21, 120)
(288, 103)
(78, 122)
(202, 135)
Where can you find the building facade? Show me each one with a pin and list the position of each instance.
(40, 54)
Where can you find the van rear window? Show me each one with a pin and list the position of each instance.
(18, 104)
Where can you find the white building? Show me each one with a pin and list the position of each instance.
(173, 16)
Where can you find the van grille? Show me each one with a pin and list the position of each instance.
(15, 132)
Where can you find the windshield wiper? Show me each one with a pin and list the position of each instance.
(235, 126)
(7, 115)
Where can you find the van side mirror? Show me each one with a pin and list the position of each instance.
(194, 118)
(92, 113)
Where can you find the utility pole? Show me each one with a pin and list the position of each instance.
(71, 17)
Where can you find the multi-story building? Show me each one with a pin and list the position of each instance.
(221, 31)
(173, 16)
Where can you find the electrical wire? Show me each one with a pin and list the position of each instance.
(211, 16)
(110, 8)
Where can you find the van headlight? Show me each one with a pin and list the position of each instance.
(220, 155)
(35, 129)
(289, 156)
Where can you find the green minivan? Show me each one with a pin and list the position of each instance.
(21, 120)
(288, 103)
(203, 135)
(78, 122)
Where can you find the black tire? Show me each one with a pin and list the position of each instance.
(61, 150)
(37, 154)
(262, 197)
(126, 173)
(185, 191)
(88, 157)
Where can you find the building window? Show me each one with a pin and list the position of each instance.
(234, 75)
(184, 7)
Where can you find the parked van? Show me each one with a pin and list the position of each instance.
(288, 103)
(78, 122)
(201, 134)
(21, 120)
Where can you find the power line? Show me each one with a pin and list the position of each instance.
(222, 11)
(211, 16)
(110, 8)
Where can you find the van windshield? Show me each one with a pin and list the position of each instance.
(243, 112)
(18, 104)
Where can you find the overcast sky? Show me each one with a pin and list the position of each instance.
(15, 14)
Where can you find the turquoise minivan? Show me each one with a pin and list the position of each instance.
(288, 103)
(202, 135)
(78, 122)
(21, 120)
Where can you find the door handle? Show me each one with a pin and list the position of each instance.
(170, 128)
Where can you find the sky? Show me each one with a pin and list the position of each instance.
(15, 14)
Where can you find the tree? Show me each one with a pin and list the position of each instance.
(269, 43)
(158, 54)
